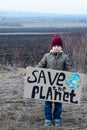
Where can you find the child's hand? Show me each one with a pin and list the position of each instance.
(23, 72)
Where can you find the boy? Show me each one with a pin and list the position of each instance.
(55, 59)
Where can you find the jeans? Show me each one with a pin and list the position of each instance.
(56, 113)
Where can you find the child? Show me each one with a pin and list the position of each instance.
(55, 59)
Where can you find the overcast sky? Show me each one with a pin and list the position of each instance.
(49, 6)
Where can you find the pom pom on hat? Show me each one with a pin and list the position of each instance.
(57, 41)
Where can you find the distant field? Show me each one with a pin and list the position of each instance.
(42, 30)
(44, 27)
(41, 24)
(54, 24)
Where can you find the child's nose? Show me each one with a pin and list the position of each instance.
(56, 46)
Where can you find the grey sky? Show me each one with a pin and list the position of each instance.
(49, 6)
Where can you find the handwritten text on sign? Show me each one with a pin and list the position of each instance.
(52, 85)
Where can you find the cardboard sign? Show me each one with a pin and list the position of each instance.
(52, 85)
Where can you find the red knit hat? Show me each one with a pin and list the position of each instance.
(57, 41)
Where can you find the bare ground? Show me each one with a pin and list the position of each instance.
(17, 113)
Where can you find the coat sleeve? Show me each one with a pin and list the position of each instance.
(68, 65)
(43, 62)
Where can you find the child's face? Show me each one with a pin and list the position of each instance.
(56, 48)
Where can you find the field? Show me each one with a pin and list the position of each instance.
(23, 47)
(45, 28)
